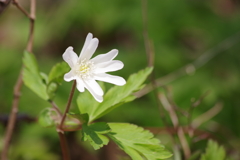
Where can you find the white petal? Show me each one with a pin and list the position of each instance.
(110, 79)
(70, 56)
(90, 49)
(99, 98)
(108, 66)
(105, 57)
(87, 41)
(94, 86)
(80, 84)
(69, 76)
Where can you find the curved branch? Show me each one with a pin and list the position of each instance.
(19, 83)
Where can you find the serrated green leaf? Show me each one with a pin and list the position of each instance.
(100, 127)
(137, 142)
(124, 100)
(45, 118)
(57, 72)
(118, 94)
(132, 153)
(31, 76)
(214, 152)
(152, 152)
(93, 133)
(83, 118)
(115, 97)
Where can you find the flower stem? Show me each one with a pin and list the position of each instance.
(64, 146)
(68, 105)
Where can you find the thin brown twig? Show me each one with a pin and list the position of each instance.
(175, 120)
(167, 106)
(193, 106)
(184, 143)
(15, 2)
(173, 104)
(68, 105)
(207, 115)
(190, 113)
(191, 67)
(55, 107)
(147, 42)
(173, 107)
(19, 83)
(12, 118)
(32, 19)
(199, 101)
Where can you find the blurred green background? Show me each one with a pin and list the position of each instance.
(181, 32)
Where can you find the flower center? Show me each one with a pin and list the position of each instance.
(84, 69)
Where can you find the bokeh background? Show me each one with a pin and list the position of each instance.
(181, 31)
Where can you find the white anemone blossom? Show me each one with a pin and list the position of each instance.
(86, 71)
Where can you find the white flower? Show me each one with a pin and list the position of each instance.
(86, 71)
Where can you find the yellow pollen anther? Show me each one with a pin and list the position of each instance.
(84, 68)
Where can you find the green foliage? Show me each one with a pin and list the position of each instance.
(115, 97)
(55, 77)
(32, 149)
(51, 89)
(214, 152)
(57, 72)
(74, 121)
(44, 86)
(32, 77)
(44, 77)
(94, 134)
(71, 123)
(86, 103)
(183, 30)
(83, 118)
(195, 155)
(137, 142)
(46, 118)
